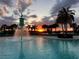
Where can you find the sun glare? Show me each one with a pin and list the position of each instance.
(40, 30)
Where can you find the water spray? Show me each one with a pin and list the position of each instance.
(21, 24)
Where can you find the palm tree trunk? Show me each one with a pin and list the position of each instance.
(51, 29)
(55, 29)
(62, 28)
(65, 25)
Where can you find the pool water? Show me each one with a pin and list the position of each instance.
(38, 47)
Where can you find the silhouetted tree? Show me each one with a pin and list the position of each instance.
(3, 27)
(49, 29)
(13, 27)
(45, 27)
(75, 27)
(33, 27)
(55, 26)
(29, 27)
(78, 29)
(65, 16)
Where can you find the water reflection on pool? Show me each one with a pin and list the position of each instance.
(37, 47)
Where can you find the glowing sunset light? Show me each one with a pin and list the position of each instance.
(70, 29)
(40, 30)
(60, 29)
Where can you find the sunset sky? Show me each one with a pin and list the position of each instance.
(10, 10)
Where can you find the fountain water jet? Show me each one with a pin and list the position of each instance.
(22, 31)
(25, 32)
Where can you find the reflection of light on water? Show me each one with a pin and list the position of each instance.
(40, 43)
(35, 43)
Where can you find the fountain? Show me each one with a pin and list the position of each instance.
(21, 7)
(21, 23)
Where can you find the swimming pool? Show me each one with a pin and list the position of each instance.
(38, 47)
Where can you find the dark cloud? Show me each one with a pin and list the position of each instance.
(34, 16)
(16, 12)
(63, 3)
(7, 20)
(9, 3)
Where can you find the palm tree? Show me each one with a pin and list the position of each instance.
(3, 27)
(65, 16)
(55, 26)
(33, 28)
(75, 27)
(48, 28)
(29, 27)
(45, 27)
(13, 26)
